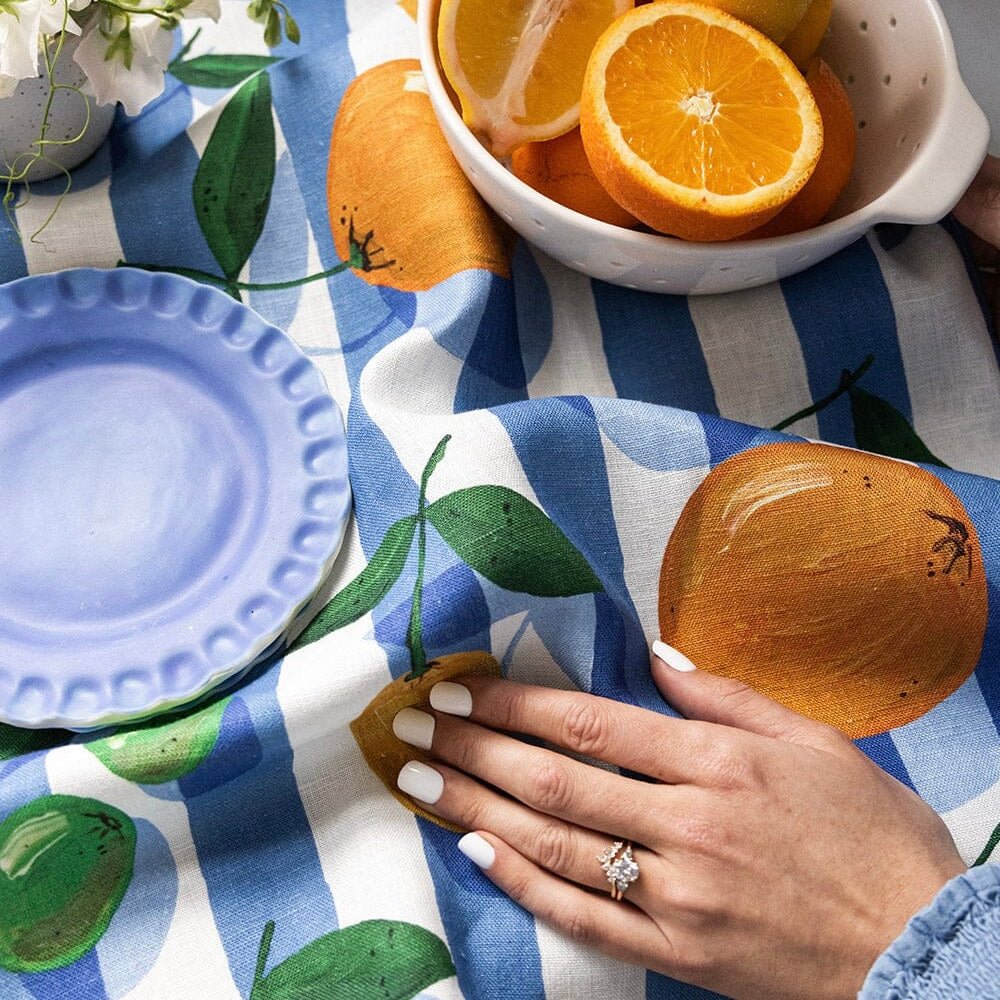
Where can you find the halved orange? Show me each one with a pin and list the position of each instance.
(696, 123)
(518, 67)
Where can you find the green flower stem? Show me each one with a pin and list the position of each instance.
(414, 633)
(990, 847)
(847, 379)
(179, 58)
(234, 287)
(262, 952)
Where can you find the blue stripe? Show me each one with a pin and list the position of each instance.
(80, 980)
(533, 304)
(661, 988)
(256, 849)
(13, 263)
(725, 438)
(842, 312)
(653, 350)
(155, 221)
(492, 940)
(883, 752)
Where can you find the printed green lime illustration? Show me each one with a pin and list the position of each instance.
(373, 960)
(65, 863)
(504, 537)
(162, 750)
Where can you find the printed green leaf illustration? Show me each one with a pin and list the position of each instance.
(376, 960)
(991, 846)
(15, 741)
(219, 70)
(66, 863)
(880, 427)
(232, 187)
(368, 588)
(511, 542)
(163, 750)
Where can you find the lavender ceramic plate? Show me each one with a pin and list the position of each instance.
(173, 489)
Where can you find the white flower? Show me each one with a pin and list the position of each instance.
(203, 8)
(146, 49)
(21, 24)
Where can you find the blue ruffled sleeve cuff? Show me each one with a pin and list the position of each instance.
(950, 950)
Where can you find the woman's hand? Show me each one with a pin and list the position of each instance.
(776, 861)
(979, 211)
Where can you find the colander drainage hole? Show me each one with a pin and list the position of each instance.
(863, 25)
(850, 78)
(887, 79)
(923, 82)
(862, 123)
(893, 22)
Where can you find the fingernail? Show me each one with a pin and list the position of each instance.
(673, 657)
(453, 699)
(414, 727)
(476, 849)
(420, 781)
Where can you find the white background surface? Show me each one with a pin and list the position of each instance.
(975, 25)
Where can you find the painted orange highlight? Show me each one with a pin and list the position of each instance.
(399, 204)
(846, 586)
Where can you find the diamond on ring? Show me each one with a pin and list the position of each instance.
(620, 867)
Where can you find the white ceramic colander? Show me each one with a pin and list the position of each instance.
(921, 139)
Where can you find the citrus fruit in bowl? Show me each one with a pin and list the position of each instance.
(918, 133)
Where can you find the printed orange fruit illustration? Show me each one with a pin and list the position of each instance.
(400, 207)
(372, 730)
(844, 585)
(559, 170)
(813, 203)
(696, 123)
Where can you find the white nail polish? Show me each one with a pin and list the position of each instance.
(414, 727)
(478, 850)
(452, 699)
(673, 657)
(420, 781)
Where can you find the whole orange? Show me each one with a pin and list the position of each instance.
(812, 204)
(399, 204)
(560, 170)
(844, 585)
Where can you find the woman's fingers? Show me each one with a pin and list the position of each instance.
(555, 845)
(699, 694)
(544, 781)
(616, 928)
(634, 738)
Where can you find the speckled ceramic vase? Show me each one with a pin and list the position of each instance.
(21, 119)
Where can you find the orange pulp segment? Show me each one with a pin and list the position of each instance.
(517, 65)
(696, 123)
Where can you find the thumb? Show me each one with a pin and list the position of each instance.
(699, 694)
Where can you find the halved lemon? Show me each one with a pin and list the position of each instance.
(696, 123)
(518, 66)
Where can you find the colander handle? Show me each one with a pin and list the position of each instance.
(945, 166)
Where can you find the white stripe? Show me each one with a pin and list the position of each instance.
(234, 32)
(82, 233)
(754, 357)
(971, 824)
(73, 770)
(352, 816)
(951, 752)
(408, 389)
(646, 505)
(572, 971)
(362, 12)
(576, 363)
(392, 34)
(950, 365)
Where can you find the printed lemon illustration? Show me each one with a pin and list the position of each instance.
(65, 863)
(846, 586)
(385, 754)
(400, 207)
